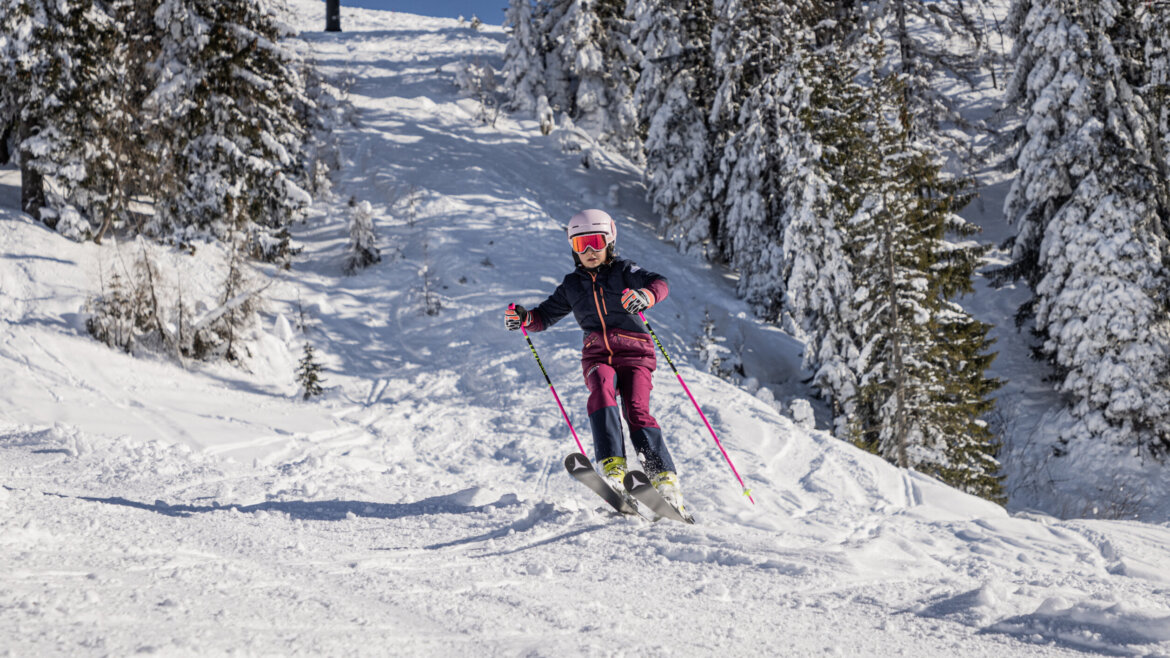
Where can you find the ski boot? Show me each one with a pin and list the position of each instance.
(614, 469)
(666, 483)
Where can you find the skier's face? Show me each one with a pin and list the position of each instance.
(591, 259)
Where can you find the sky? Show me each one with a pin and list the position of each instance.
(488, 11)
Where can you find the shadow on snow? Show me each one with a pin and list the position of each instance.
(304, 510)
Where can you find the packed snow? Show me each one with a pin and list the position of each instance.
(420, 506)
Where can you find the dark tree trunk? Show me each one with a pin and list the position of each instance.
(5, 154)
(32, 194)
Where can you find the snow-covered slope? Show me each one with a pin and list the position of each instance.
(420, 507)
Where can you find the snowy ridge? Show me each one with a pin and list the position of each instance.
(421, 506)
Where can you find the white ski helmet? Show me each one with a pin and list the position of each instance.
(593, 221)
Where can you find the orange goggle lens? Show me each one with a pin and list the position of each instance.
(594, 241)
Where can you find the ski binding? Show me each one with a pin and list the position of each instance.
(579, 466)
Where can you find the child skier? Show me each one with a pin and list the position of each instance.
(605, 293)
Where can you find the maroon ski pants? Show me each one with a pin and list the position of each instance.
(623, 366)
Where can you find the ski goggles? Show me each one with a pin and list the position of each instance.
(594, 241)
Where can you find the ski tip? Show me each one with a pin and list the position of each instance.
(577, 462)
(634, 480)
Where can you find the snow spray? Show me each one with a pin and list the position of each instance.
(550, 386)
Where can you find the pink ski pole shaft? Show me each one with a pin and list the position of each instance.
(747, 492)
(550, 386)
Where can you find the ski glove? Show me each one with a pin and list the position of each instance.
(516, 317)
(636, 301)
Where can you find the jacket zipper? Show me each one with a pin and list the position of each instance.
(601, 315)
(632, 337)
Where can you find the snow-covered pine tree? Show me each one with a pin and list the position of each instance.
(962, 347)
(363, 249)
(1090, 210)
(128, 167)
(921, 368)
(757, 103)
(822, 192)
(325, 110)
(928, 39)
(24, 66)
(227, 102)
(523, 58)
(1152, 30)
(1050, 44)
(673, 95)
(1102, 304)
(557, 79)
(591, 70)
(63, 72)
(308, 373)
(112, 316)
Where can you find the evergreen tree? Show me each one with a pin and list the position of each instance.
(756, 105)
(1091, 210)
(674, 96)
(822, 194)
(523, 58)
(309, 373)
(227, 102)
(128, 169)
(62, 73)
(363, 250)
(928, 39)
(921, 367)
(591, 69)
(1151, 34)
(192, 103)
(1052, 45)
(557, 73)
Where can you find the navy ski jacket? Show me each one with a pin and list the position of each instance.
(594, 297)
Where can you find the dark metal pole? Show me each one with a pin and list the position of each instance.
(332, 15)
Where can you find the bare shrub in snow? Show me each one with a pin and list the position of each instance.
(129, 311)
(145, 305)
(217, 334)
(478, 80)
(719, 359)
(431, 303)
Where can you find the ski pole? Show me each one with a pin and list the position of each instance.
(550, 385)
(747, 492)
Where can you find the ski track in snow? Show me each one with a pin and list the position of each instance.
(421, 506)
